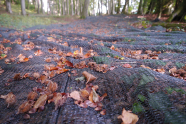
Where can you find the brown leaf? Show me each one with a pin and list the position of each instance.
(25, 107)
(52, 86)
(65, 44)
(103, 112)
(68, 63)
(62, 70)
(26, 75)
(84, 94)
(10, 99)
(88, 76)
(76, 95)
(36, 75)
(173, 70)
(69, 54)
(59, 100)
(38, 53)
(32, 95)
(128, 117)
(112, 47)
(40, 102)
(127, 65)
(48, 59)
(17, 77)
(42, 78)
(26, 116)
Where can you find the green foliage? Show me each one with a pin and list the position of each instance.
(145, 79)
(178, 90)
(141, 97)
(137, 107)
(101, 60)
(20, 22)
(180, 65)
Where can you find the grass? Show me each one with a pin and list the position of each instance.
(173, 26)
(19, 22)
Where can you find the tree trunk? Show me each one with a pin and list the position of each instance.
(23, 12)
(84, 13)
(98, 8)
(67, 7)
(28, 5)
(72, 7)
(160, 9)
(119, 5)
(8, 6)
(48, 5)
(38, 11)
(60, 13)
(140, 7)
(42, 11)
(64, 6)
(144, 6)
(125, 7)
(179, 13)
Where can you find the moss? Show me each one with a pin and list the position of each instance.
(173, 26)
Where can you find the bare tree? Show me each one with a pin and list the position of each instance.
(23, 12)
(42, 6)
(84, 13)
(8, 6)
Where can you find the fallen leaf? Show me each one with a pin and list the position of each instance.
(69, 54)
(52, 86)
(36, 75)
(103, 112)
(88, 76)
(10, 99)
(112, 68)
(62, 70)
(26, 116)
(7, 61)
(80, 78)
(84, 94)
(59, 100)
(127, 65)
(38, 53)
(32, 95)
(68, 63)
(48, 59)
(173, 70)
(25, 107)
(39, 103)
(128, 117)
(75, 95)
(17, 77)
(95, 96)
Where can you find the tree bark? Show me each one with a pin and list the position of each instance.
(125, 7)
(8, 6)
(119, 5)
(160, 9)
(67, 7)
(64, 6)
(38, 11)
(140, 7)
(23, 12)
(42, 7)
(144, 6)
(84, 13)
(72, 7)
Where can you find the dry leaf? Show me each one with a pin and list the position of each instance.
(128, 117)
(26, 116)
(10, 99)
(62, 70)
(38, 53)
(75, 95)
(42, 78)
(39, 103)
(95, 96)
(48, 59)
(32, 95)
(7, 61)
(36, 75)
(103, 112)
(25, 107)
(173, 70)
(84, 94)
(59, 99)
(52, 86)
(17, 77)
(68, 63)
(127, 65)
(88, 76)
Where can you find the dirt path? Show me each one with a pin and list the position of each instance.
(132, 67)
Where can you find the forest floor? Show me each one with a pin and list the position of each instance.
(138, 68)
